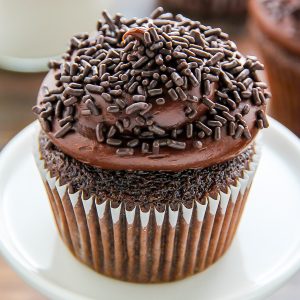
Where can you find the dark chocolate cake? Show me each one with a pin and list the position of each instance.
(143, 188)
(147, 148)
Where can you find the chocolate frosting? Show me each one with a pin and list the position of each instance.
(279, 20)
(83, 146)
(144, 188)
(74, 131)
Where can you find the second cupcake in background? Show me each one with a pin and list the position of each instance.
(209, 9)
(147, 148)
(276, 28)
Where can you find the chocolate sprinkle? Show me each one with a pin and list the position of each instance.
(124, 151)
(131, 64)
(64, 130)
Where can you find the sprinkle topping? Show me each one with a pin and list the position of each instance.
(138, 66)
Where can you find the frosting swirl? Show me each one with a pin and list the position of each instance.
(158, 93)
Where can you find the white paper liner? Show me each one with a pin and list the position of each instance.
(147, 246)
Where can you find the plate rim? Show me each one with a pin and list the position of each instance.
(52, 290)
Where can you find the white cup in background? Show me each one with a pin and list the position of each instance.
(33, 31)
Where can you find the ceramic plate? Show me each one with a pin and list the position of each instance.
(265, 252)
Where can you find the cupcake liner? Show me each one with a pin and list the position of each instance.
(207, 8)
(283, 71)
(147, 246)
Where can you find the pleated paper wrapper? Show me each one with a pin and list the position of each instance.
(147, 246)
(203, 8)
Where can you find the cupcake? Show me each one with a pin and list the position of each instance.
(147, 144)
(209, 8)
(276, 28)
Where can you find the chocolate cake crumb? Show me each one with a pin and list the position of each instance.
(143, 188)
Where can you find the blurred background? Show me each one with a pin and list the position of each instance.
(33, 31)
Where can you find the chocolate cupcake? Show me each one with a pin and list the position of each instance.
(147, 145)
(209, 9)
(276, 28)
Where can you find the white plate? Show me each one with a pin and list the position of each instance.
(265, 253)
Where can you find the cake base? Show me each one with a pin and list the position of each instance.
(148, 245)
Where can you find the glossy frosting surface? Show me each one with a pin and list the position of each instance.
(237, 99)
(83, 146)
